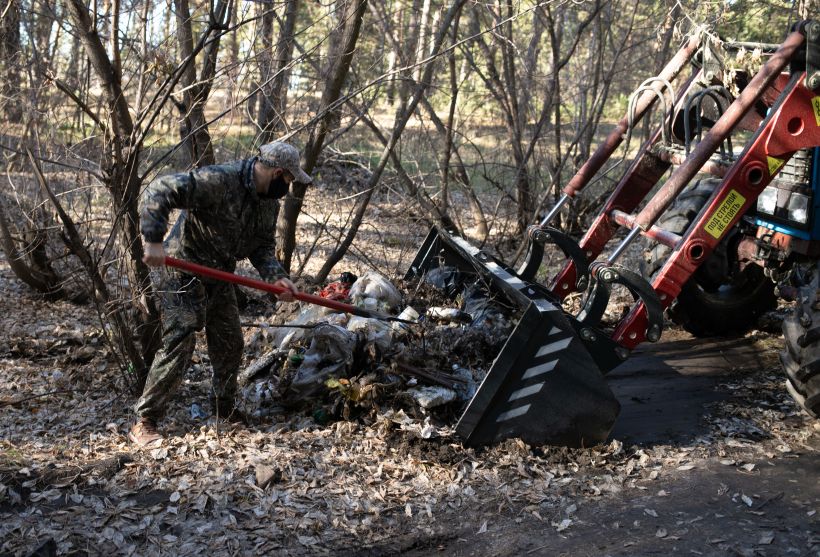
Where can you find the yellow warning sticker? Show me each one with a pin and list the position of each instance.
(774, 164)
(728, 210)
(815, 104)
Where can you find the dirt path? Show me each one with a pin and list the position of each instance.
(755, 499)
(715, 510)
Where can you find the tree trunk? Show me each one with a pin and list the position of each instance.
(47, 283)
(10, 51)
(315, 143)
(401, 121)
(194, 128)
(444, 204)
(260, 99)
(275, 91)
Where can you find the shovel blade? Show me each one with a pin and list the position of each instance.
(544, 387)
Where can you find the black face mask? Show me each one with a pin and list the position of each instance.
(277, 189)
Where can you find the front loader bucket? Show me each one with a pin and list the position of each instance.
(547, 384)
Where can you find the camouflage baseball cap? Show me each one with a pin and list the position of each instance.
(283, 155)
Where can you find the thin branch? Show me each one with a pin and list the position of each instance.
(78, 101)
(51, 161)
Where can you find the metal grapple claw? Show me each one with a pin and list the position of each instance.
(598, 298)
(538, 236)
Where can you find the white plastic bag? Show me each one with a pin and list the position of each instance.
(373, 330)
(285, 336)
(374, 285)
(330, 353)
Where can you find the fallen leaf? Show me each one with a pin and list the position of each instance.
(661, 533)
(651, 512)
(483, 528)
(746, 499)
(766, 538)
(265, 475)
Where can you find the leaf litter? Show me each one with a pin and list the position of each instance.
(294, 483)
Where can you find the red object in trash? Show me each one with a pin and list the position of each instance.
(336, 291)
(340, 288)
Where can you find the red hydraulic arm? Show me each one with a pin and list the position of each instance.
(793, 123)
(642, 175)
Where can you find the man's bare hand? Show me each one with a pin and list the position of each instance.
(154, 254)
(290, 290)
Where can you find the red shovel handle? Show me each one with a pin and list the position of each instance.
(267, 287)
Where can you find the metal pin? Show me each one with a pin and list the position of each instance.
(634, 233)
(555, 210)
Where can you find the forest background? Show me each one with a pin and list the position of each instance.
(458, 112)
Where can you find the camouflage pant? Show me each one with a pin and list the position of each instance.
(188, 304)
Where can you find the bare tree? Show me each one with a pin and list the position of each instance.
(330, 95)
(120, 171)
(502, 83)
(402, 117)
(196, 89)
(275, 70)
(451, 163)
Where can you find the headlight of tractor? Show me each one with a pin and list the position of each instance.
(767, 201)
(798, 208)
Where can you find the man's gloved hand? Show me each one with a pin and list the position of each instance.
(154, 254)
(290, 290)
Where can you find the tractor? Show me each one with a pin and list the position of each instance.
(724, 196)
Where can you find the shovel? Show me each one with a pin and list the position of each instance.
(209, 272)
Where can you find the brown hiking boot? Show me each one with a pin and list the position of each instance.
(144, 433)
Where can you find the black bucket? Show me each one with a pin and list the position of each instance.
(547, 384)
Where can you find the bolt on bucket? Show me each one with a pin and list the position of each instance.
(547, 384)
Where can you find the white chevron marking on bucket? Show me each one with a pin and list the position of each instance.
(514, 413)
(535, 371)
(526, 391)
(553, 346)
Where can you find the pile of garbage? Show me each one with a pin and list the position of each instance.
(339, 365)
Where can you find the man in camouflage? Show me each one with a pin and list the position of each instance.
(231, 214)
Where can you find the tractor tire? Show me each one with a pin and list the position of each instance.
(719, 299)
(801, 357)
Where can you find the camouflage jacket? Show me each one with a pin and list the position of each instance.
(226, 220)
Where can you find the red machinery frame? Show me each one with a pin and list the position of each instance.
(793, 123)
